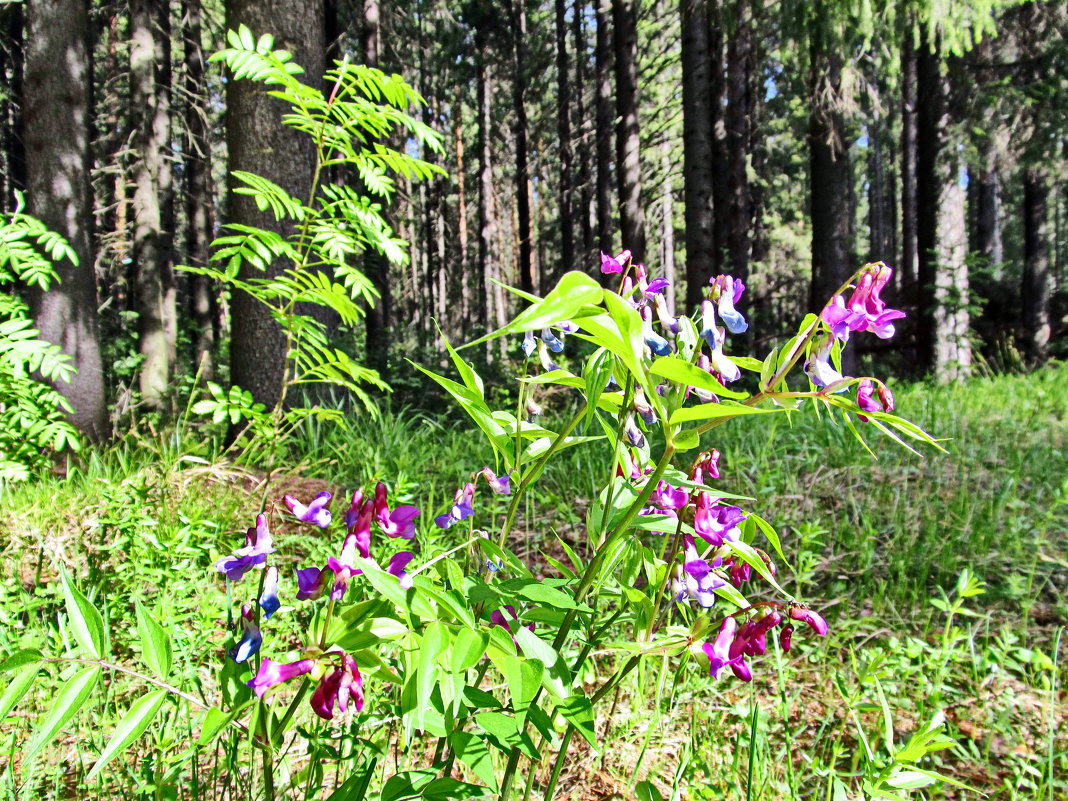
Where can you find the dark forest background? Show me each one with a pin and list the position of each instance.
(785, 143)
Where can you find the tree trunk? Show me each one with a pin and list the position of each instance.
(741, 67)
(375, 265)
(628, 139)
(563, 130)
(1036, 288)
(528, 281)
(696, 150)
(11, 70)
(603, 125)
(153, 199)
(942, 241)
(829, 177)
(255, 137)
(984, 190)
(909, 265)
(721, 199)
(199, 204)
(583, 151)
(486, 222)
(56, 111)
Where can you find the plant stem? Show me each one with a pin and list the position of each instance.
(558, 764)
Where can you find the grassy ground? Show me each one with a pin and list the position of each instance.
(879, 544)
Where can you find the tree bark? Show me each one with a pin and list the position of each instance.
(942, 241)
(199, 205)
(486, 221)
(628, 138)
(909, 265)
(697, 150)
(11, 68)
(721, 200)
(563, 131)
(1036, 288)
(56, 113)
(153, 199)
(741, 68)
(528, 281)
(257, 142)
(583, 151)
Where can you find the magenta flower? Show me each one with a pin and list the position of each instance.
(614, 264)
(865, 310)
(396, 566)
(398, 523)
(706, 465)
(785, 635)
(254, 554)
(461, 507)
(315, 512)
(718, 652)
(497, 618)
(716, 523)
(726, 291)
(814, 619)
(337, 687)
(669, 499)
(271, 674)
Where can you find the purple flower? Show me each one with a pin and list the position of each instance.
(706, 464)
(716, 523)
(656, 343)
(396, 566)
(726, 291)
(271, 674)
(497, 618)
(251, 639)
(656, 286)
(818, 366)
(718, 652)
(254, 554)
(310, 583)
(666, 320)
(398, 523)
(716, 337)
(556, 345)
(337, 687)
(814, 619)
(614, 264)
(529, 343)
(499, 484)
(632, 432)
(269, 598)
(785, 634)
(700, 579)
(667, 498)
(461, 507)
(315, 512)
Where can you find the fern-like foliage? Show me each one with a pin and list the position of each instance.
(332, 228)
(32, 422)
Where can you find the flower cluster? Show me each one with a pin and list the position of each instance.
(463, 501)
(336, 673)
(733, 642)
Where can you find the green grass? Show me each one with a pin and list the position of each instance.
(871, 541)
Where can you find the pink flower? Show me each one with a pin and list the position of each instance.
(273, 673)
(315, 512)
(718, 652)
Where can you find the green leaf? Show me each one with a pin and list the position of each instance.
(214, 722)
(556, 678)
(67, 703)
(683, 372)
(85, 622)
(27, 656)
(686, 439)
(646, 791)
(474, 753)
(578, 711)
(16, 688)
(155, 644)
(355, 786)
(709, 411)
(133, 724)
(467, 650)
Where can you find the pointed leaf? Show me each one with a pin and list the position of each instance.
(16, 688)
(85, 622)
(155, 644)
(133, 724)
(67, 703)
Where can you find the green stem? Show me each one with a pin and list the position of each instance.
(559, 763)
(268, 757)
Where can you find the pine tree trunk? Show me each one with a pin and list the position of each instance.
(909, 265)
(583, 151)
(153, 256)
(741, 67)
(829, 177)
(12, 73)
(486, 222)
(255, 137)
(697, 150)
(942, 240)
(198, 192)
(721, 198)
(56, 114)
(1036, 288)
(563, 132)
(628, 139)
(603, 125)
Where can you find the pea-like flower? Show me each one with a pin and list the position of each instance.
(718, 651)
(499, 484)
(462, 507)
(726, 291)
(865, 310)
(269, 602)
(337, 687)
(700, 578)
(614, 264)
(818, 366)
(257, 546)
(715, 522)
(251, 638)
(397, 523)
(813, 618)
(315, 512)
(272, 674)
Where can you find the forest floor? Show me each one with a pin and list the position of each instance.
(944, 579)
